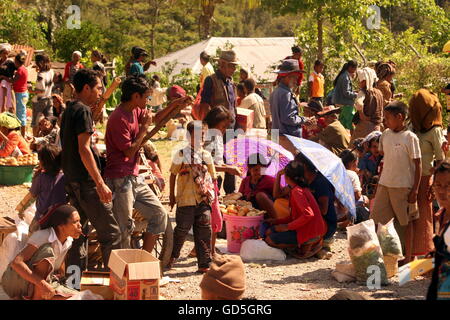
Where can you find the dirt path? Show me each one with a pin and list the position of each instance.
(287, 280)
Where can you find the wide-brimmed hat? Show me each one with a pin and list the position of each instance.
(139, 52)
(289, 66)
(329, 110)
(229, 56)
(314, 105)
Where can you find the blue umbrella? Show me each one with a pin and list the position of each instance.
(331, 167)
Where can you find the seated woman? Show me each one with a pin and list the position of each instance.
(12, 144)
(35, 272)
(257, 187)
(304, 228)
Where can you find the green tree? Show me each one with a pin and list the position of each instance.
(86, 38)
(20, 26)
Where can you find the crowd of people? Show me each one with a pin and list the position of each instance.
(394, 155)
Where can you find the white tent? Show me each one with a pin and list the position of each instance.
(259, 55)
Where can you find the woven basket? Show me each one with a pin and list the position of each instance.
(391, 264)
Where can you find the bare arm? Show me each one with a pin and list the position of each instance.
(277, 193)
(412, 198)
(173, 179)
(323, 205)
(19, 265)
(88, 160)
(137, 144)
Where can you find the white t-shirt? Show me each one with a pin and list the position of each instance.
(355, 181)
(44, 82)
(41, 237)
(400, 149)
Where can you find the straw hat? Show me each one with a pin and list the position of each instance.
(328, 110)
(229, 56)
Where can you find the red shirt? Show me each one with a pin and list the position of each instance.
(264, 185)
(20, 85)
(121, 131)
(67, 70)
(306, 218)
(15, 140)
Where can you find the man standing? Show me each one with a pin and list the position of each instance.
(81, 165)
(297, 54)
(69, 72)
(219, 90)
(125, 133)
(137, 66)
(284, 107)
(207, 69)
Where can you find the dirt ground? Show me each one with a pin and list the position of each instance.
(291, 279)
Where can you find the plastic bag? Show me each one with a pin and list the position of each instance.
(365, 251)
(254, 250)
(389, 240)
(86, 295)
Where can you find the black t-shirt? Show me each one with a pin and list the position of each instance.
(77, 119)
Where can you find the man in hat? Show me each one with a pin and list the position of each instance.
(297, 54)
(220, 90)
(283, 105)
(136, 66)
(334, 137)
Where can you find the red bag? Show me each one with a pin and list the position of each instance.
(216, 215)
(196, 114)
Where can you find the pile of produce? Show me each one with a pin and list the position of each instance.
(27, 160)
(232, 206)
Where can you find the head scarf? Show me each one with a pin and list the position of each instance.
(425, 110)
(5, 46)
(384, 69)
(77, 53)
(369, 75)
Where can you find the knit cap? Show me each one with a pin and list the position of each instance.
(225, 278)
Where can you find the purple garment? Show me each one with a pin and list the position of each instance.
(49, 190)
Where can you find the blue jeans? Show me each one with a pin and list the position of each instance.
(21, 107)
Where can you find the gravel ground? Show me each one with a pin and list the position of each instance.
(288, 280)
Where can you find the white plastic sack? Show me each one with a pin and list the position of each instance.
(12, 245)
(365, 251)
(86, 295)
(254, 250)
(389, 240)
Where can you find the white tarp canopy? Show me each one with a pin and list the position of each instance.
(258, 55)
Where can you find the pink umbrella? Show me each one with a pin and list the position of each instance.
(238, 150)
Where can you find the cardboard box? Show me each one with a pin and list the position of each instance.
(98, 283)
(244, 118)
(134, 275)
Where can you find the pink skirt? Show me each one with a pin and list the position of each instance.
(216, 215)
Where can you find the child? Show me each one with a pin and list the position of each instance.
(20, 86)
(349, 160)
(258, 187)
(47, 188)
(370, 167)
(304, 228)
(396, 195)
(48, 133)
(225, 280)
(440, 282)
(195, 193)
(218, 121)
(240, 93)
(316, 82)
